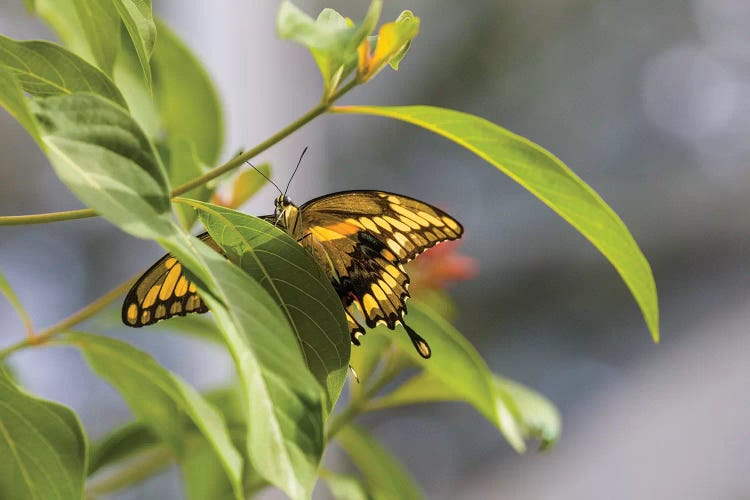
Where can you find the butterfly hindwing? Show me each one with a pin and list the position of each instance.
(163, 292)
(362, 239)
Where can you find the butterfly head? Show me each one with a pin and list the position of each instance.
(282, 202)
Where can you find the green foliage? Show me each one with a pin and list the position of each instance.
(129, 119)
(42, 444)
(45, 69)
(344, 486)
(12, 99)
(384, 475)
(159, 399)
(181, 79)
(137, 17)
(332, 41)
(298, 285)
(550, 180)
(104, 157)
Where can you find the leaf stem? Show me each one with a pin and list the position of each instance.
(75, 318)
(322, 107)
(18, 220)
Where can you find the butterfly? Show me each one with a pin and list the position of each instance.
(361, 239)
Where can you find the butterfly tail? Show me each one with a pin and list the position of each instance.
(420, 344)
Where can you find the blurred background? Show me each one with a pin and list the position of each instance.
(649, 102)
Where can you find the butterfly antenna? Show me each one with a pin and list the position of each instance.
(295, 170)
(264, 176)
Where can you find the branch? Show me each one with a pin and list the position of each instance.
(322, 107)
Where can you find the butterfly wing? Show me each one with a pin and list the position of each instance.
(362, 239)
(163, 292)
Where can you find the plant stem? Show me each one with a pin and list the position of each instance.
(322, 107)
(75, 318)
(18, 220)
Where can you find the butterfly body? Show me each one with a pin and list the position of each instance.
(360, 238)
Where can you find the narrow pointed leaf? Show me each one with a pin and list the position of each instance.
(455, 368)
(159, 398)
(139, 21)
(296, 282)
(14, 102)
(547, 178)
(187, 101)
(385, 476)
(46, 69)
(42, 445)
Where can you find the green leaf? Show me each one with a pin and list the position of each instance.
(228, 400)
(128, 75)
(7, 290)
(101, 28)
(198, 325)
(42, 445)
(281, 398)
(394, 40)
(344, 486)
(385, 476)
(159, 398)
(331, 40)
(184, 165)
(120, 444)
(62, 17)
(14, 102)
(409, 27)
(538, 417)
(455, 369)
(102, 155)
(45, 69)
(116, 171)
(139, 21)
(365, 359)
(247, 183)
(296, 282)
(187, 101)
(550, 180)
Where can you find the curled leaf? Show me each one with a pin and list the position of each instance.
(331, 38)
(394, 40)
